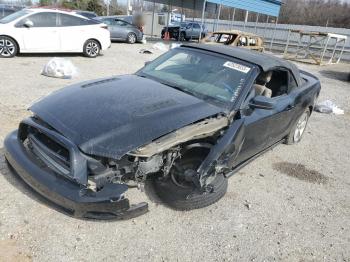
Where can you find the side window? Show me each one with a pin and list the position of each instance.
(109, 21)
(292, 82)
(70, 20)
(41, 20)
(243, 41)
(279, 82)
(252, 41)
(120, 23)
(161, 19)
(196, 26)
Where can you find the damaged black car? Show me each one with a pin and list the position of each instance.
(180, 127)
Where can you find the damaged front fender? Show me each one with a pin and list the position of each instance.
(222, 156)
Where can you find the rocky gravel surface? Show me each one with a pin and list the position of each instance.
(291, 204)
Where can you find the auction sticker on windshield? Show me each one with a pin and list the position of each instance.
(238, 67)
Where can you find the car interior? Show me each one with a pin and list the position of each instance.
(274, 83)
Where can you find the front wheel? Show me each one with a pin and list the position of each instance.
(298, 130)
(8, 47)
(178, 190)
(91, 48)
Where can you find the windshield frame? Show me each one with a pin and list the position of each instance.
(228, 104)
(25, 12)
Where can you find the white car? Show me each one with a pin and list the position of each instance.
(51, 31)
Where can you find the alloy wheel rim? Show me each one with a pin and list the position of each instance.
(300, 128)
(7, 47)
(92, 49)
(132, 38)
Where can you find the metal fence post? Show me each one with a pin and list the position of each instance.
(202, 22)
(218, 18)
(245, 19)
(233, 17)
(273, 34)
(256, 22)
(153, 12)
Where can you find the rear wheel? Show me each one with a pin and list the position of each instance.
(178, 190)
(298, 130)
(131, 39)
(8, 47)
(182, 36)
(91, 48)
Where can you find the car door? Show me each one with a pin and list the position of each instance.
(189, 30)
(72, 31)
(196, 30)
(122, 29)
(265, 127)
(111, 23)
(39, 32)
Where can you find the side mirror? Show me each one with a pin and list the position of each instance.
(28, 24)
(262, 102)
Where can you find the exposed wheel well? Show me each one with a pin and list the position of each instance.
(18, 47)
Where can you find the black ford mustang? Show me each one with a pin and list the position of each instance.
(180, 126)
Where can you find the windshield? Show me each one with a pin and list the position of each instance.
(14, 16)
(211, 77)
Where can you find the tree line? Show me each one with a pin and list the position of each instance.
(331, 13)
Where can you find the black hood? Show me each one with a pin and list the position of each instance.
(112, 116)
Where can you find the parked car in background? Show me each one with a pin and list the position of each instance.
(86, 14)
(6, 10)
(121, 30)
(126, 18)
(51, 31)
(185, 31)
(174, 30)
(236, 38)
(136, 20)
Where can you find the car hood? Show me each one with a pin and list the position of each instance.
(110, 117)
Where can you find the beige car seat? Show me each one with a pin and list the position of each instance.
(260, 84)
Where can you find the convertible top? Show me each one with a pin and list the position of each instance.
(265, 61)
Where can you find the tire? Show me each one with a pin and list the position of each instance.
(296, 133)
(183, 196)
(131, 38)
(91, 48)
(182, 36)
(8, 47)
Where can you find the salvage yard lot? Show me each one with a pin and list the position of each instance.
(290, 204)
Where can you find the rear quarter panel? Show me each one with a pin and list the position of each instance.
(306, 94)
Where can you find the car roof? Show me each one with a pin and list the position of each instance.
(55, 10)
(235, 32)
(265, 61)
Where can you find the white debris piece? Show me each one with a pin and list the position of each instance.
(328, 107)
(160, 46)
(60, 68)
(174, 45)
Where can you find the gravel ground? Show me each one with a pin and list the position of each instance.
(291, 204)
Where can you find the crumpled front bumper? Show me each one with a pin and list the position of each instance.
(73, 199)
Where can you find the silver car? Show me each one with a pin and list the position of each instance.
(121, 30)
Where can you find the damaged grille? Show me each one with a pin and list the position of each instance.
(50, 149)
(49, 152)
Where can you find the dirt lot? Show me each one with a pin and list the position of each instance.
(291, 204)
